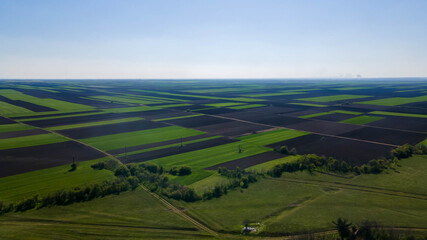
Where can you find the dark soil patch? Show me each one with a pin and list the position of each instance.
(6, 121)
(404, 123)
(246, 162)
(232, 129)
(386, 136)
(22, 133)
(169, 114)
(324, 127)
(20, 160)
(351, 151)
(88, 132)
(272, 110)
(194, 122)
(218, 111)
(54, 115)
(141, 157)
(158, 144)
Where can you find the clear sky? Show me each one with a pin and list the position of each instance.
(212, 39)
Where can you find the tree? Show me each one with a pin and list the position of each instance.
(122, 171)
(343, 228)
(184, 171)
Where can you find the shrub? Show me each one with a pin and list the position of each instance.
(184, 171)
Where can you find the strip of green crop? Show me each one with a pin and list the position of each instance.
(130, 139)
(227, 104)
(168, 146)
(180, 117)
(399, 114)
(247, 106)
(333, 98)
(91, 124)
(309, 104)
(396, 101)
(274, 94)
(7, 109)
(14, 127)
(270, 137)
(330, 112)
(361, 120)
(66, 116)
(33, 140)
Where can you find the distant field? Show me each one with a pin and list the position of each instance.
(226, 104)
(91, 124)
(333, 98)
(129, 139)
(309, 104)
(361, 120)
(27, 141)
(247, 106)
(396, 101)
(330, 112)
(39, 182)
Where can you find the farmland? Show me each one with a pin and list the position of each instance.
(248, 126)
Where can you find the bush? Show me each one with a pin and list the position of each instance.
(98, 166)
(122, 171)
(184, 171)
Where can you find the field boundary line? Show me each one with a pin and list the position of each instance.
(179, 212)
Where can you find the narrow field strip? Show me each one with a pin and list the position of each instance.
(92, 124)
(28, 141)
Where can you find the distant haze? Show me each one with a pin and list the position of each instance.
(213, 39)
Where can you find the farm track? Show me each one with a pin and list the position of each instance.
(353, 187)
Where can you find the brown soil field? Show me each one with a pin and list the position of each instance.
(246, 162)
(386, 136)
(22, 133)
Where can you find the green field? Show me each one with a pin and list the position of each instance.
(180, 117)
(396, 101)
(14, 127)
(330, 112)
(130, 215)
(275, 94)
(361, 120)
(333, 98)
(129, 139)
(247, 106)
(120, 99)
(270, 137)
(21, 186)
(33, 140)
(7, 109)
(225, 104)
(91, 124)
(309, 104)
(398, 114)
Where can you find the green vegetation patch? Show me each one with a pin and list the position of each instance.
(330, 112)
(91, 124)
(275, 94)
(226, 104)
(241, 99)
(7, 109)
(361, 120)
(129, 139)
(180, 117)
(270, 137)
(14, 127)
(399, 114)
(333, 98)
(309, 104)
(247, 106)
(33, 140)
(396, 101)
(264, 167)
(63, 116)
(120, 99)
(43, 182)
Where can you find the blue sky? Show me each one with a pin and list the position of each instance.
(212, 39)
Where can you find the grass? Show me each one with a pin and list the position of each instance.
(129, 139)
(247, 106)
(309, 104)
(14, 127)
(333, 98)
(91, 124)
(33, 140)
(314, 201)
(330, 112)
(361, 120)
(47, 102)
(396, 101)
(7, 109)
(180, 117)
(130, 215)
(398, 114)
(21, 186)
